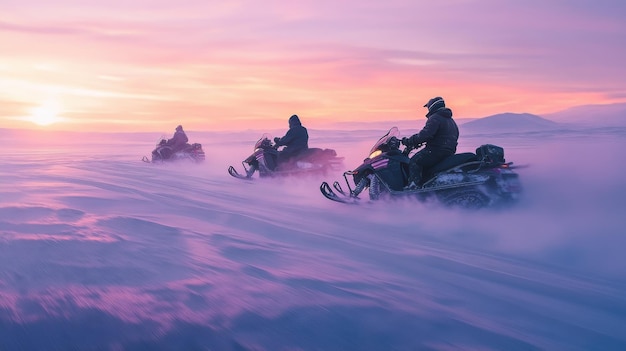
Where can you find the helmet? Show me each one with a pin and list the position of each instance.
(294, 120)
(179, 128)
(435, 104)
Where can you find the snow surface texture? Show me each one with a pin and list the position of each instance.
(99, 250)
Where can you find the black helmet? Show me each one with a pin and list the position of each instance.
(179, 128)
(435, 104)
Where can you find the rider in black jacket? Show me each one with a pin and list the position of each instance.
(179, 139)
(440, 135)
(295, 141)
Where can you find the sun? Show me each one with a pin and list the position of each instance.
(46, 114)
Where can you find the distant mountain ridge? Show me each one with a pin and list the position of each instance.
(510, 122)
(605, 115)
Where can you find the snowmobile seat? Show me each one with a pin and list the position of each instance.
(453, 161)
(308, 152)
(315, 152)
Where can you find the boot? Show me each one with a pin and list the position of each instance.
(250, 171)
(412, 186)
(415, 175)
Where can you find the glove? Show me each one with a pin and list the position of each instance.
(408, 142)
(276, 140)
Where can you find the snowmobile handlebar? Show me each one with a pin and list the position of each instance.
(266, 143)
(408, 148)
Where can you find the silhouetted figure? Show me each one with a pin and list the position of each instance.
(295, 141)
(176, 143)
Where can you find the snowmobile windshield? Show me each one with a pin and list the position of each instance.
(266, 137)
(162, 139)
(393, 132)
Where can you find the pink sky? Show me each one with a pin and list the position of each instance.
(149, 65)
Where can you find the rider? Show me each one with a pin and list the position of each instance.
(178, 141)
(295, 141)
(440, 133)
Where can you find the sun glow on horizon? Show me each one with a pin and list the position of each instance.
(46, 114)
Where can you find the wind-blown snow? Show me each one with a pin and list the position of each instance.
(101, 251)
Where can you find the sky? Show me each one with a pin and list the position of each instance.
(144, 65)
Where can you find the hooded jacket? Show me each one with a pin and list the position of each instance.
(440, 131)
(179, 140)
(297, 137)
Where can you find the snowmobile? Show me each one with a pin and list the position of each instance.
(469, 180)
(264, 159)
(163, 153)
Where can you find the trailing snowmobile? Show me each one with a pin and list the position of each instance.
(264, 159)
(470, 180)
(163, 153)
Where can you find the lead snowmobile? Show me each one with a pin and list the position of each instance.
(471, 180)
(163, 153)
(264, 159)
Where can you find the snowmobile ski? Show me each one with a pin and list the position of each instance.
(233, 172)
(331, 195)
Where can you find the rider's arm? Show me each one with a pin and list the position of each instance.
(286, 139)
(428, 132)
